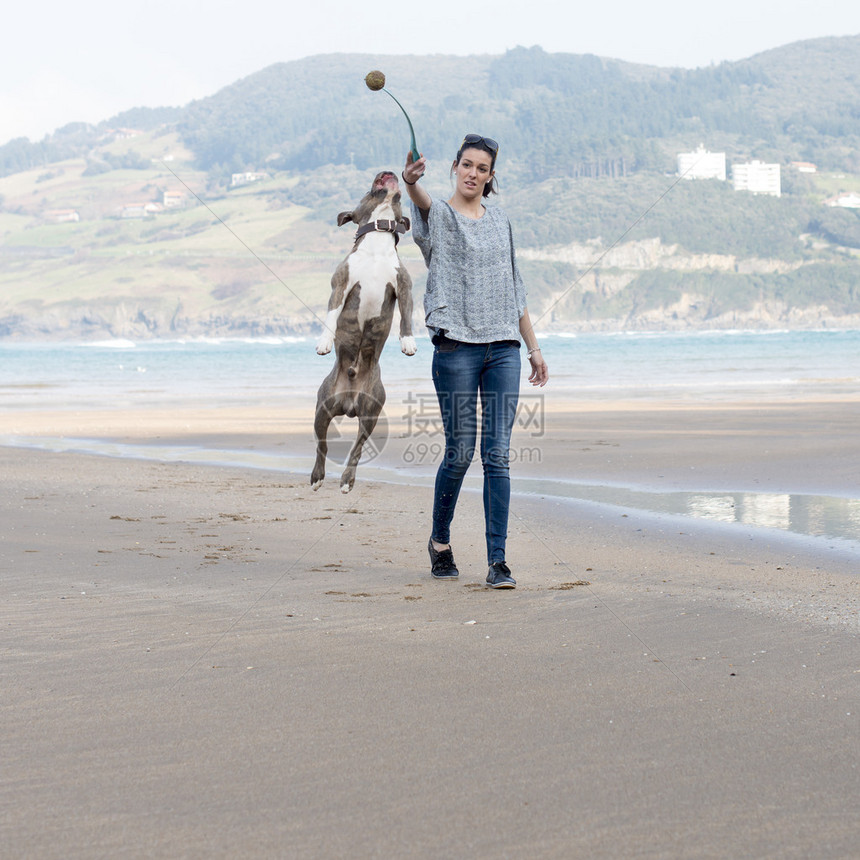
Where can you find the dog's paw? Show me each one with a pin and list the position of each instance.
(315, 485)
(408, 345)
(347, 479)
(324, 344)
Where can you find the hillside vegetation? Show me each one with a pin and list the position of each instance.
(609, 236)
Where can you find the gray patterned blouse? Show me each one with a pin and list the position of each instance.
(474, 290)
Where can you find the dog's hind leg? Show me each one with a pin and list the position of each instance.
(321, 423)
(368, 406)
(366, 423)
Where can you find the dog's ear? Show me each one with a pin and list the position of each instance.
(406, 223)
(343, 218)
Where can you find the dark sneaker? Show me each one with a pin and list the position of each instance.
(442, 562)
(499, 576)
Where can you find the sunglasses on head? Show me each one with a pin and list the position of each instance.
(472, 139)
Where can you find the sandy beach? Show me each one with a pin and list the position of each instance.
(214, 661)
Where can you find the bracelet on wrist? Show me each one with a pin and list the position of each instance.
(403, 177)
(532, 351)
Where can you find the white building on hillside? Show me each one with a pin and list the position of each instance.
(847, 200)
(245, 178)
(139, 210)
(702, 164)
(757, 177)
(62, 216)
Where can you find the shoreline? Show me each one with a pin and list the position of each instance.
(785, 465)
(774, 571)
(780, 445)
(781, 472)
(766, 513)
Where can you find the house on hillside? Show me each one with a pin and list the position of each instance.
(62, 216)
(804, 166)
(120, 134)
(757, 177)
(245, 178)
(139, 210)
(702, 164)
(847, 200)
(172, 199)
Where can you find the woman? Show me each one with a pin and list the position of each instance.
(475, 308)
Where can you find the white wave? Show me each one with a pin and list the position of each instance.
(119, 343)
(203, 340)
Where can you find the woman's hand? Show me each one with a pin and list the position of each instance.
(413, 170)
(540, 372)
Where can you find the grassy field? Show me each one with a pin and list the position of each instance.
(830, 184)
(201, 258)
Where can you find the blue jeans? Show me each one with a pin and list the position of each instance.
(460, 372)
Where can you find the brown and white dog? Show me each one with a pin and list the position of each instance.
(365, 288)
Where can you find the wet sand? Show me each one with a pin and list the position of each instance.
(206, 661)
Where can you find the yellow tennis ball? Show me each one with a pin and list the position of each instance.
(375, 80)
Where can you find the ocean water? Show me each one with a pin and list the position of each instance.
(697, 366)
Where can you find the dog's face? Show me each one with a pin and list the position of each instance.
(381, 202)
(385, 181)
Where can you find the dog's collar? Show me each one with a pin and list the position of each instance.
(381, 226)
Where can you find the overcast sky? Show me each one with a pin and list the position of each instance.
(90, 59)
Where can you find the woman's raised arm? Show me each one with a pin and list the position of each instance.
(412, 172)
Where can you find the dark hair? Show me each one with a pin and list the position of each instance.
(490, 187)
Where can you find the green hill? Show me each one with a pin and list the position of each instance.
(608, 234)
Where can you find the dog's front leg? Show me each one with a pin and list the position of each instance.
(404, 303)
(339, 290)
